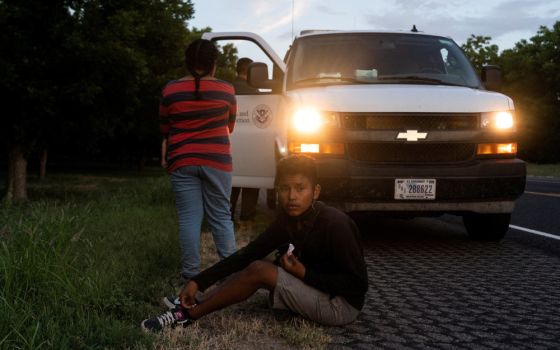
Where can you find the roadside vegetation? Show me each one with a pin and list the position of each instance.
(543, 169)
(90, 256)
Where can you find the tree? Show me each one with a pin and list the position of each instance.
(141, 45)
(227, 62)
(83, 77)
(128, 50)
(532, 79)
(33, 42)
(480, 52)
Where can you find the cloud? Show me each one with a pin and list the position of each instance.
(287, 35)
(502, 20)
(329, 10)
(271, 15)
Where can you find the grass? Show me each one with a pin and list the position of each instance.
(249, 325)
(90, 256)
(543, 169)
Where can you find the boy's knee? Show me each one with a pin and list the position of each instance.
(259, 267)
(263, 271)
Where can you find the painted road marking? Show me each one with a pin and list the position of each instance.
(544, 181)
(535, 232)
(544, 194)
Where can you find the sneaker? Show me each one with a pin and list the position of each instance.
(171, 318)
(171, 302)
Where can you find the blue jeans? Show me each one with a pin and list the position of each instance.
(201, 190)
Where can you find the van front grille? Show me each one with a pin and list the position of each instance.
(415, 121)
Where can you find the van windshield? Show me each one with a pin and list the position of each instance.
(378, 58)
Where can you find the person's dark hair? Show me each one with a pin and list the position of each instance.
(243, 65)
(200, 56)
(296, 165)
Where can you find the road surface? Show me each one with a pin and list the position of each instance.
(431, 287)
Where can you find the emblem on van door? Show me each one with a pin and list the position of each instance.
(412, 135)
(262, 116)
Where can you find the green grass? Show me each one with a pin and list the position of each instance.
(543, 169)
(81, 263)
(90, 256)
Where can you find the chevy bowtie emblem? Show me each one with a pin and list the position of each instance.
(412, 135)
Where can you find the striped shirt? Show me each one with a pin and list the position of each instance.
(198, 131)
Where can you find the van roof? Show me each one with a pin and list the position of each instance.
(310, 32)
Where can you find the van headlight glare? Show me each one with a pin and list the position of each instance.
(497, 120)
(310, 120)
(307, 120)
(504, 120)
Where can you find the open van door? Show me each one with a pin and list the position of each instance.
(259, 127)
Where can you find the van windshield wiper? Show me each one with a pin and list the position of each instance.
(379, 80)
(328, 79)
(415, 79)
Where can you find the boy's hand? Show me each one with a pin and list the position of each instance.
(291, 263)
(188, 293)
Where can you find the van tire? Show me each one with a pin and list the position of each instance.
(486, 227)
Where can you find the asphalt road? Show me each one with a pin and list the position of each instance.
(539, 207)
(433, 288)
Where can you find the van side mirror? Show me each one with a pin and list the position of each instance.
(257, 76)
(492, 77)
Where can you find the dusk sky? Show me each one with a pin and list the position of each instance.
(506, 21)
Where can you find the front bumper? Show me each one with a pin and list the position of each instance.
(483, 186)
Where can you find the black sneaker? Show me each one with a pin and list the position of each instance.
(171, 318)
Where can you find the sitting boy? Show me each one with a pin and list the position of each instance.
(323, 279)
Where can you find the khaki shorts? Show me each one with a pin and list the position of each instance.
(293, 294)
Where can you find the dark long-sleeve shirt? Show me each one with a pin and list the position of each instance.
(326, 242)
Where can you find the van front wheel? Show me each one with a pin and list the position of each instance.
(486, 227)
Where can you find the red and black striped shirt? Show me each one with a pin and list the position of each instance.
(198, 131)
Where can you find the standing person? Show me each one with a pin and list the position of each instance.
(323, 279)
(249, 196)
(240, 83)
(197, 114)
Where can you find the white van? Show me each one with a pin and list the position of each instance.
(399, 122)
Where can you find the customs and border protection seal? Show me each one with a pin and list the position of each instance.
(262, 116)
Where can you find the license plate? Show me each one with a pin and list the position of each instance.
(415, 188)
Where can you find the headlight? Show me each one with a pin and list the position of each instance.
(309, 120)
(497, 120)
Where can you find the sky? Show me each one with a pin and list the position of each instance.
(506, 21)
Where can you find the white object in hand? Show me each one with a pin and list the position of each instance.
(290, 249)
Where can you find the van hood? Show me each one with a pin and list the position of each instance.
(400, 98)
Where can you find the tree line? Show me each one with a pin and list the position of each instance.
(531, 77)
(82, 78)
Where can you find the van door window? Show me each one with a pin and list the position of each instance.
(237, 55)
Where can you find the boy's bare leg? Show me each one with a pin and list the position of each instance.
(259, 274)
(208, 293)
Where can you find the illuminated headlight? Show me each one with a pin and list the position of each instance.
(310, 120)
(307, 120)
(497, 120)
